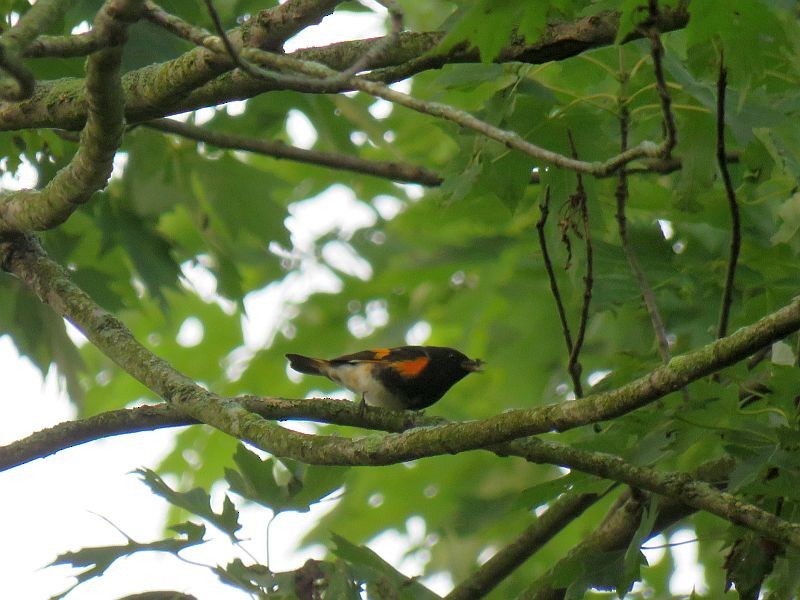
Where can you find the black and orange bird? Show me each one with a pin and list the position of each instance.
(408, 377)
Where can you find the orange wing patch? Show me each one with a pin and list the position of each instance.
(411, 368)
(380, 353)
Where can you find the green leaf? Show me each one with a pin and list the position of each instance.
(150, 252)
(698, 139)
(574, 482)
(632, 13)
(507, 176)
(281, 485)
(100, 558)
(372, 569)
(789, 212)
(250, 578)
(196, 501)
(748, 564)
(486, 24)
(634, 559)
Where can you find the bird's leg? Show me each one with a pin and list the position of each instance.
(362, 406)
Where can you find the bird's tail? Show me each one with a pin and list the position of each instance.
(305, 364)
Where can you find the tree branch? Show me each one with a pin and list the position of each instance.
(326, 82)
(151, 90)
(730, 193)
(90, 168)
(379, 168)
(68, 434)
(14, 42)
(175, 25)
(24, 257)
(613, 533)
(657, 52)
(648, 296)
(169, 88)
(544, 208)
(617, 528)
(674, 485)
(558, 515)
(682, 486)
(573, 364)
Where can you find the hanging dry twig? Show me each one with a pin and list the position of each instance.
(633, 260)
(657, 52)
(730, 193)
(579, 201)
(544, 207)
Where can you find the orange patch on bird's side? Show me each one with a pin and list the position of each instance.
(381, 353)
(410, 368)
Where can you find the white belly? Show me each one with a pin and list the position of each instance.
(358, 378)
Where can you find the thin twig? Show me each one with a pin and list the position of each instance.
(376, 51)
(544, 207)
(736, 233)
(657, 51)
(633, 260)
(175, 25)
(333, 80)
(325, 76)
(574, 365)
(661, 166)
(656, 166)
(226, 42)
(379, 168)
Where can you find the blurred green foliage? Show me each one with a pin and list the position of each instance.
(464, 259)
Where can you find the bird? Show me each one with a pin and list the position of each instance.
(407, 377)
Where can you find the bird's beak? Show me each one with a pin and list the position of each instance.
(473, 366)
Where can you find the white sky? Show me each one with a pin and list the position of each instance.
(55, 504)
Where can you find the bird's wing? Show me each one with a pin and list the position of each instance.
(389, 355)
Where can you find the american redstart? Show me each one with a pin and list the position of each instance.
(408, 377)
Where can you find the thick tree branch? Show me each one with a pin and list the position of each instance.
(559, 514)
(679, 486)
(51, 283)
(697, 494)
(150, 90)
(61, 104)
(68, 434)
(379, 168)
(619, 525)
(14, 42)
(65, 46)
(90, 168)
(24, 257)
(617, 528)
